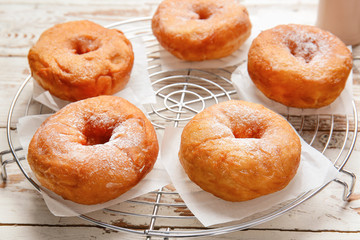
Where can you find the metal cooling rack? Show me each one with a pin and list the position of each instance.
(180, 95)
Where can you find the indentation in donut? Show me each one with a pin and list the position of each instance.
(116, 59)
(97, 130)
(203, 12)
(248, 132)
(97, 136)
(303, 48)
(85, 44)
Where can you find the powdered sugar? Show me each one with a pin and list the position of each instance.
(304, 50)
(127, 134)
(305, 44)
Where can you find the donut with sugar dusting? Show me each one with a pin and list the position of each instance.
(239, 151)
(93, 150)
(299, 66)
(196, 30)
(81, 59)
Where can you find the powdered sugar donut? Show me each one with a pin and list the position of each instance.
(299, 66)
(238, 150)
(81, 59)
(93, 150)
(196, 30)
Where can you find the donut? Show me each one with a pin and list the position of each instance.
(81, 59)
(93, 150)
(299, 65)
(238, 150)
(196, 30)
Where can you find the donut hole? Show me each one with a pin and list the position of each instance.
(97, 130)
(203, 13)
(85, 44)
(304, 49)
(248, 132)
(96, 136)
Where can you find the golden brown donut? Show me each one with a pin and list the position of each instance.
(238, 150)
(81, 59)
(197, 30)
(93, 150)
(299, 66)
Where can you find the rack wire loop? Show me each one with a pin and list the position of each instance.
(5, 162)
(348, 190)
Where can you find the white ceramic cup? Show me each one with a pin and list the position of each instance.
(342, 18)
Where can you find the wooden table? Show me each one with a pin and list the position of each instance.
(23, 213)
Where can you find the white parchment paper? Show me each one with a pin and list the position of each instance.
(157, 178)
(139, 82)
(170, 62)
(314, 171)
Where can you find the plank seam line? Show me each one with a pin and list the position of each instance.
(251, 229)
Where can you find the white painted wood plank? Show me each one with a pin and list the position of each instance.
(22, 24)
(62, 233)
(15, 70)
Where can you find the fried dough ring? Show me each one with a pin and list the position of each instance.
(299, 66)
(239, 151)
(93, 150)
(196, 30)
(81, 59)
